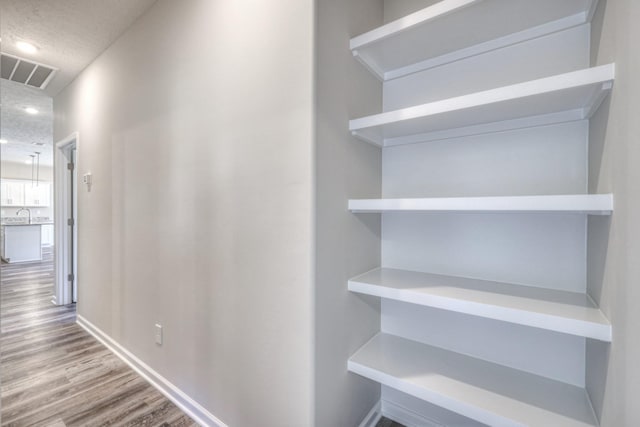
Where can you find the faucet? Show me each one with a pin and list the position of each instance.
(25, 209)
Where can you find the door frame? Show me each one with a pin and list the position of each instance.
(63, 293)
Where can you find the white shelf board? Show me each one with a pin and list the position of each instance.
(556, 99)
(592, 204)
(407, 45)
(553, 310)
(489, 393)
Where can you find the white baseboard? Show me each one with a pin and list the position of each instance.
(405, 416)
(192, 408)
(372, 417)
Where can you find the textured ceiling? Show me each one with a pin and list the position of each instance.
(69, 35)
(22, 129)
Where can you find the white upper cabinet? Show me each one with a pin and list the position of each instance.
(434, 35)
(12, 193)
(37, 195)
(24, 193)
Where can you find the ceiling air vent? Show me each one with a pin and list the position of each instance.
(26, 72)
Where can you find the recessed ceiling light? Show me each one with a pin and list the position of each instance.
(31, 110)
(3, 141)
(26, 47)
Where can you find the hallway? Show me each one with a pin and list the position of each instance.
(55, 374)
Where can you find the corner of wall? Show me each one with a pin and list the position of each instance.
(345, 245)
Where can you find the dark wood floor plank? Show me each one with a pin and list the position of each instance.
(54, 374)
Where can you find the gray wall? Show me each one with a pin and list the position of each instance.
(197, 127)
(613, 374)
(346, 244)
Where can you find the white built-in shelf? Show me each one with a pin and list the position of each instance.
(592, 204)
(432, 36)
(559, 311)
(489, 393)
(556, 99)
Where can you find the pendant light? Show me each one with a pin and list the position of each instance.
(38, 169)
(33, 165)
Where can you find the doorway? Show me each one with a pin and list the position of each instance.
(66, 229)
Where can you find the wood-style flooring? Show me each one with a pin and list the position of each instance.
(54, 374)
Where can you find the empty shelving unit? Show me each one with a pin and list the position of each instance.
(484, 133)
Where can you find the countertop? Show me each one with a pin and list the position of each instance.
(20, 224)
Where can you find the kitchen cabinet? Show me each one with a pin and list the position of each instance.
(47, 234)
(12, 192)
(21, 242)
(15, 192)
(37, 195)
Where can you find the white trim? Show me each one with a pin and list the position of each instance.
(405, 416)
(192, 408)
(372, 418)
(62, 292)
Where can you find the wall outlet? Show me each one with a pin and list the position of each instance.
(158, 334)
